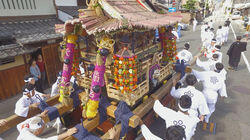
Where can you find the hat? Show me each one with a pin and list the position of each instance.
(36, 123)
(214, 40)
(187, 45)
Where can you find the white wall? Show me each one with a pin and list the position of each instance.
(66, 2)
(64, 16)
(26, 7)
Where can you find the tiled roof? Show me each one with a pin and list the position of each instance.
(71, 10)
(124, 14)
(26, 32)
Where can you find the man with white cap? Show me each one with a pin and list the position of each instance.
(181, 118)
(31, 128)
(225, 31)
(28, 100)
(185, 54)
(213, 83)
(29, 79)
(208, 65)
(216, 50)
(199, 104)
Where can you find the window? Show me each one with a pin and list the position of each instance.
(7, 60)
(18, 4)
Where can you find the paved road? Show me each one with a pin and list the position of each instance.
(232, 114)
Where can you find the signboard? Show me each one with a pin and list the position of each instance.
(173, 9)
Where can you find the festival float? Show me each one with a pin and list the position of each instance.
(124, 59)
(127, 57)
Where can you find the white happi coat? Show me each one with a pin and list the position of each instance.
(25, 134)
(213, 83)
(147, 134)
(219, 36)
(225, 31)
(22, 105)
(171, 117)
(185, 55)
(199, 102)
(208, 65)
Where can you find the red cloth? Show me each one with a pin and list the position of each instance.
(41, 66)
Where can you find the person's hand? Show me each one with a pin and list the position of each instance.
(202, 118)
(71, 131)
(223, 97)
(34, 105)
(39, 76)
(112, 133)
(3, 122)
(174, 82)
(44, 113)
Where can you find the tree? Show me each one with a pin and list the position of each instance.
(190, 5)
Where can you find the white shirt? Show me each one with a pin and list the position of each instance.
(22, 105)
(195, 22)
(185, 55)
(225, 30)
(210, 52)
(54, 89)
(198, 100)
(208, 65)
(213, 83)
(210, 24)
(25, 134)
(219, 33)
(147, 134)
(171, 117)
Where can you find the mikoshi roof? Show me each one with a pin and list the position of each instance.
(16, 33)
(123, 14)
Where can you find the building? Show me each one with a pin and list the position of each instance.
(27, 28)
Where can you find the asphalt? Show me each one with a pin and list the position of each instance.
(231, 115)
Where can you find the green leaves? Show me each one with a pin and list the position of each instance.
(190, 5)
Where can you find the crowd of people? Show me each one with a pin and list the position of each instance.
(194, 106)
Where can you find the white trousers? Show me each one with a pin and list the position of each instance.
(211, 107)
(194, 27)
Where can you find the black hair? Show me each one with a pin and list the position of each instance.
(31, 61)
(212, 29)
(190, 79)
(175, 132)
(220, 27)
(219, 66)
(206, 29)
(239, 38)
(218, 46)
(185, 101)
(28, 86)
(211, 20)
(206, 23)
(215, 56)
(187, 46)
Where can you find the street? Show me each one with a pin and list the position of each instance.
(231, 114)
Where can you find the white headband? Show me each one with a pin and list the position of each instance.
(36, 123)
(26, 81)
(25, 91)
(182, 109)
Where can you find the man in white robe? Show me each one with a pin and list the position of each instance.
(208, 65)
(185, 54)
(28, 100)
(31, 128)
(213, 83)
(181, 118)
(199, 104)
(219, 35)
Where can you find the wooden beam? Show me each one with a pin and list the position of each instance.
(133, 121)
(13, 120)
